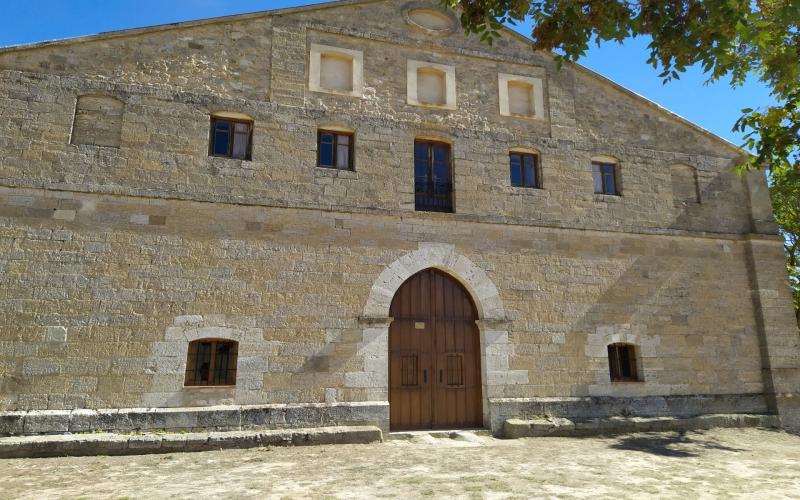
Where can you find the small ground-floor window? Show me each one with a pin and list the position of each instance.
(211, 362)
(622, 363)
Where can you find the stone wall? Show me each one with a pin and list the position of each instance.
(101, 290)
(114, 258)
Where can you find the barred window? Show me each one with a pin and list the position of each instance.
(622, 363)
(211, 362)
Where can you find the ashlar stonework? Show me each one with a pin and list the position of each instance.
(123, 237)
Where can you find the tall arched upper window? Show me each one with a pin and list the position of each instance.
(433, 176)
(684, 184)
(211, 362)
(98, 121)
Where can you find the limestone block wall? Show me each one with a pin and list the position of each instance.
(103, 293)
(114, 255)
(170, 81)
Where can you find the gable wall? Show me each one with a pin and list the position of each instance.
(115, 245)
(171, 80)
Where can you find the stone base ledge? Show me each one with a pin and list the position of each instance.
(142, 444)
(581, 409)
(563, 427)
(189, 419)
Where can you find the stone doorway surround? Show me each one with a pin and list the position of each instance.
(492, 323)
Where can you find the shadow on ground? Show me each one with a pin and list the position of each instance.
(676, 444)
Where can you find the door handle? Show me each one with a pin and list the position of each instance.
(441, 375)
(425, 376)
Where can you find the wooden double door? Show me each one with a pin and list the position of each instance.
(434, 355)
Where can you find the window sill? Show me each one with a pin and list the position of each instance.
(608, 198)
(95, 146)
(352, 93)
(534, 191)
(624, 382)
(209, 387)
(438, 107)
(530, 118)
(224, 158)
(322, 171)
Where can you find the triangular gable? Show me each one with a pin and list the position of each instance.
(512, 46)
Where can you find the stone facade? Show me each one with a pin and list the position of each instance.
(116, 250)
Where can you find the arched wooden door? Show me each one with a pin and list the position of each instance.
(434, 355)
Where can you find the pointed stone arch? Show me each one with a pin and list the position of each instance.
(493, 324)
(442, 257)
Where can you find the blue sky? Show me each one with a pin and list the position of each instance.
(715, 107)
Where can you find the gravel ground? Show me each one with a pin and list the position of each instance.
(721, 463)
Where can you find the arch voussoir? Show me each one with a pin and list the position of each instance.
(492, 324)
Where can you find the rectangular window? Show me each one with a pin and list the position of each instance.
(433, 184)
(605, 178)
(524, 170)
(335, 150)
(211, 362)
(231, 138)
(622, 363)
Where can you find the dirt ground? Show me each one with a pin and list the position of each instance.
(705, 464)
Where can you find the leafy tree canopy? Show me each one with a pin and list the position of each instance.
(726, 38)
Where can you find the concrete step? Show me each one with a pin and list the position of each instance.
(438, 434)
(148, 443)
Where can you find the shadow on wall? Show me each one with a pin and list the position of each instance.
(674, 445)
(652, 303)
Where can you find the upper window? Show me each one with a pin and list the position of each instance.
(524, 170)
(605, 177)
(431, 84)
(521, 96)
(211, 362)
(622, 363)
(335, 149)
(433, 176)
(336, 70)
(231, 138)
(98, 121)
(684, 185)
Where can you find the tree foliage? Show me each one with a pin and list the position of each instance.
(730, 39)
(785, 191)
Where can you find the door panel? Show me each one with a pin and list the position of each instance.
(434, 353)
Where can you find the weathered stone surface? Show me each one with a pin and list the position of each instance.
(130, 241)
(139, 444)
(585, 409)
(556, 426)
(12, 423)
(221, 418)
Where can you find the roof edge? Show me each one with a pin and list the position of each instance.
(108, 35)
(649, 102)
